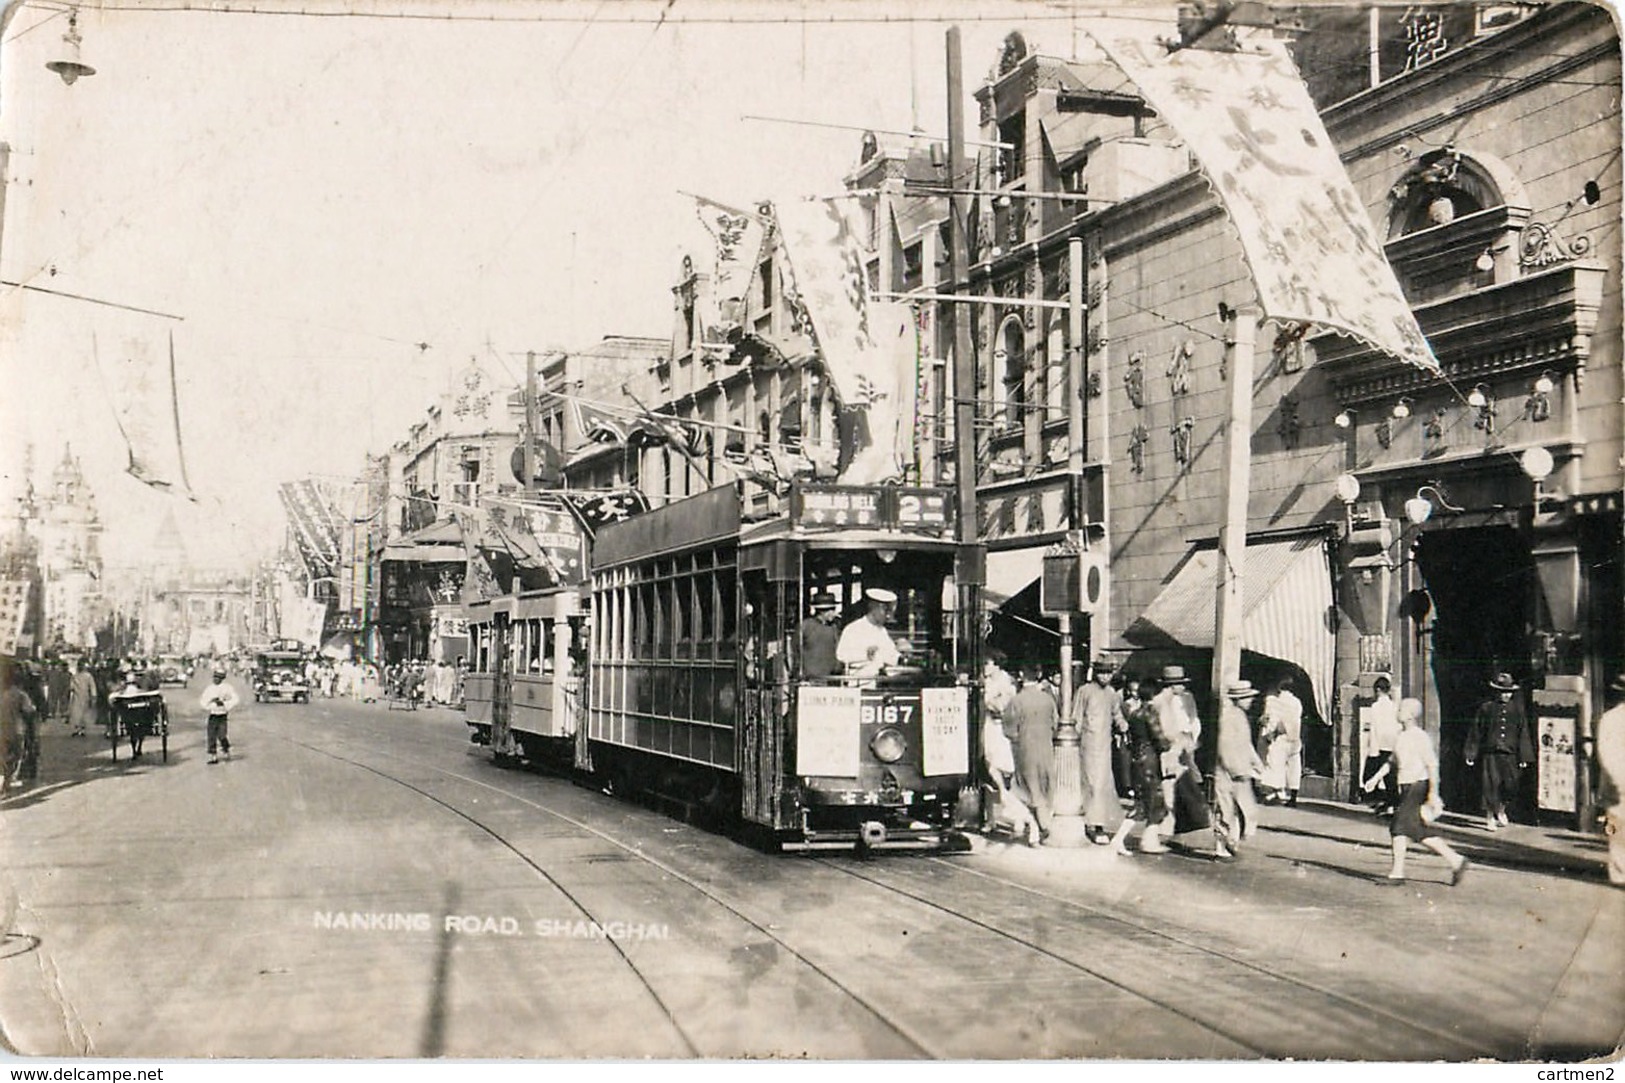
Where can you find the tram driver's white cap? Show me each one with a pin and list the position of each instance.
(880, 594)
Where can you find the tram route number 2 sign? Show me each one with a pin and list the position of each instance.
(833, 507)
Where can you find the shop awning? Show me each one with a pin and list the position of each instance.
(425, 554)
(1011, 571)
(1286, 598)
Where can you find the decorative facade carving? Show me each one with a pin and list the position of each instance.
(1179, 368)
(1385, 433)
(1540, 246)
(1288, 426)
(1134, 380)
(1182, 440)
(1137, 440)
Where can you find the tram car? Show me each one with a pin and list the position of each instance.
(699, 690)
(523, 689)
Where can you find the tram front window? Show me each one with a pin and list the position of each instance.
(890, 612)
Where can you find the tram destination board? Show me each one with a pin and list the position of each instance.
(873, 507)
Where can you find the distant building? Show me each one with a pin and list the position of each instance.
(69, 530)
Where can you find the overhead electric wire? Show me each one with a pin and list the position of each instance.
(651, 16)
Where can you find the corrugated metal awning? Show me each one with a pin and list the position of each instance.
(1286, 604)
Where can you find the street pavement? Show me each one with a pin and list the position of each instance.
(361, 882)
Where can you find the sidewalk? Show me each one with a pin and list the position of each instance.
(1332, 833)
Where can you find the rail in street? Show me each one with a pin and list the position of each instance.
(359, 882)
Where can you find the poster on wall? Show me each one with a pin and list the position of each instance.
(827, 731)
(1554, 732)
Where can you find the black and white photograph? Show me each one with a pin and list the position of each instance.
(666, 532)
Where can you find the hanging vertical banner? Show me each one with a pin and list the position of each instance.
(1307, 239)
(868, 349)
(13, 611)
(146, 409)
(739, 236)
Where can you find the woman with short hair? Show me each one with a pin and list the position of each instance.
(1415, 764)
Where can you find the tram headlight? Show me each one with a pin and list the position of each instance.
(888, 745)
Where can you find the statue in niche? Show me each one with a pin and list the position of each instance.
(1134, 380)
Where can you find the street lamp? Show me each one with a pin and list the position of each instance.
(71, 68)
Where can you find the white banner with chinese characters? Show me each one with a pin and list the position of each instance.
(302, 621)
(1306, 236)
(870, 350)
(13, 609)
(739, 236)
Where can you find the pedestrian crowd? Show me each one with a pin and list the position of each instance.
(1145, 770)
(86, 693)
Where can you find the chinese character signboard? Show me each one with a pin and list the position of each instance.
(13, 608)
(865, 507)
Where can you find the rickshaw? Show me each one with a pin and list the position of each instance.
(138, 715)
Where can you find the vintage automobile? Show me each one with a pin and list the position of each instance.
(173, 669)
(280, 675)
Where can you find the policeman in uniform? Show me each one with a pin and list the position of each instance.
(1500, 737)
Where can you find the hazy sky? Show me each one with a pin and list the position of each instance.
(315, 196)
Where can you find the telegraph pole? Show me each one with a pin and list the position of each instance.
(528, 450)
(964, 382)
(1238, 431)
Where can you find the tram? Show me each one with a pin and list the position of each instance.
(697, 691)
(522, 692)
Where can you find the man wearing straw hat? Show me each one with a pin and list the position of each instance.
(1235, 812)
(1501, 737)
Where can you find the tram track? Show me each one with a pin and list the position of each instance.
(1373, 1021)
(922, 1047)
(1185, 980)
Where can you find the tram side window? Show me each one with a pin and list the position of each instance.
(643, 621)
(726, 623)
(683, 592)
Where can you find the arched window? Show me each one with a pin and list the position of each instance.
(1453, 224)
(1010, 367)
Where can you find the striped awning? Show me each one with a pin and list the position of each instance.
(1286, 594)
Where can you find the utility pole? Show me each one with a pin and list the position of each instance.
(1238, 432)
(964, 381)
(528, 450)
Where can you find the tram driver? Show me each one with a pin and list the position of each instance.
(866, 648)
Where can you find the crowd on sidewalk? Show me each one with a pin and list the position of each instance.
(1139, 739)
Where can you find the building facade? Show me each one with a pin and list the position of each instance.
(1383, 499)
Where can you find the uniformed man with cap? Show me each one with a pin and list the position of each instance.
(1500, 735)
(865, 647)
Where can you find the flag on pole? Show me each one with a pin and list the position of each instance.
(1307, 239)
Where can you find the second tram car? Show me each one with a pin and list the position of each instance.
(698, 690)
(522, 691)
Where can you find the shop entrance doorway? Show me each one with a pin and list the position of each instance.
(1480, 581)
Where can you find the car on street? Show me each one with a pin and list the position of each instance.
(173, 669)
(280, 675)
